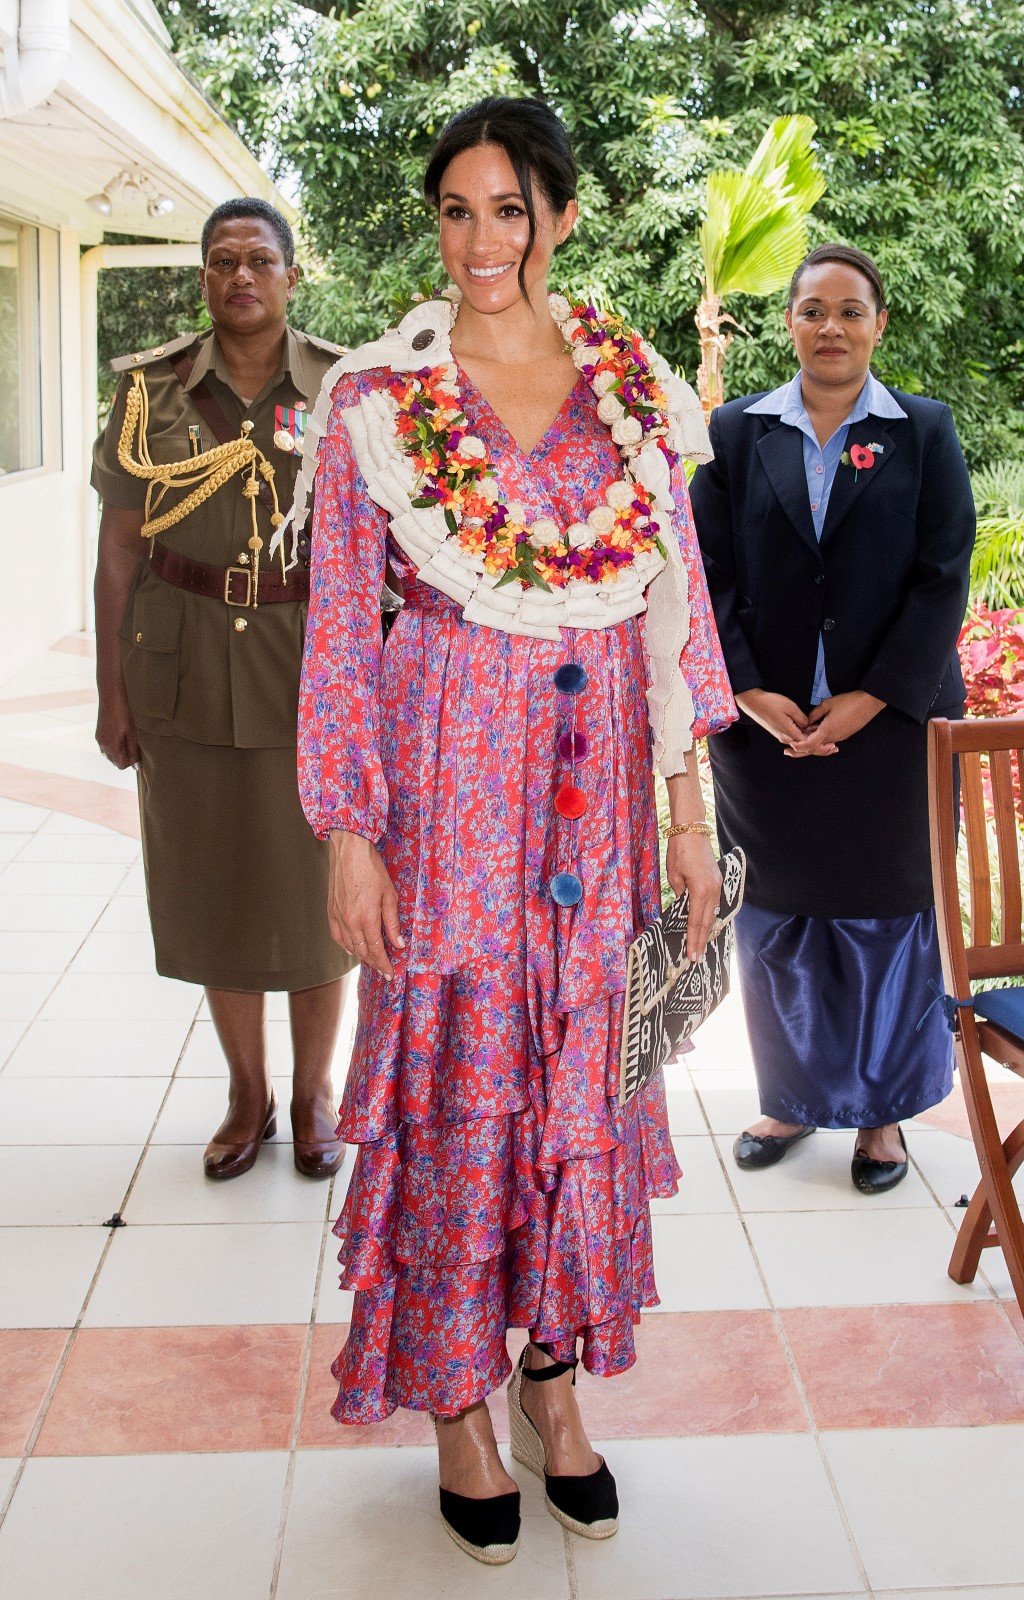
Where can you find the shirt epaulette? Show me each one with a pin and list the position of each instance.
(145, 358)
(326, 344)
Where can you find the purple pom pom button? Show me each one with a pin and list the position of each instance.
(573, 746)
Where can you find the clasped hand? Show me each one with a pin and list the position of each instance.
(818, 732)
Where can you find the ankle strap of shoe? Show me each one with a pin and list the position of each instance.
(556, 1369)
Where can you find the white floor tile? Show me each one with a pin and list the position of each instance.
(815, 1176)
(189, 1276)
(196, 1106)
(64, 913)
(126, 913)
(18, 818)
(8, 1469)
(703, 1263)
(332, 1303)
(11, 845)
(22, 994)
(37, 952)
(849, 1258)
(933, 1506)
(104, 846)
(44, 1276)
(70, 1186)
(172, 1188)
(133, 882)
(128, 997)
(10, 1034)
(684, 1114)
(336, 1547)
(144, 1528)
(948, 1164)
(702, 1188)
(718, 1517)
(70, 1111)
(61, 877)
(730, 1110)
(110, 1049)
(116, 952)
(60, 823)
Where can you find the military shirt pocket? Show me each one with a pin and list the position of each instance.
(151, 650)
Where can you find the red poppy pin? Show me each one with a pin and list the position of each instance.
(861, 457)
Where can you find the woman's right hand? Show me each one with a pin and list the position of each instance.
(362, 906)
(779, 715)
(115, 731)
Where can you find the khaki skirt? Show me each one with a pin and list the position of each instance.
(236, 880)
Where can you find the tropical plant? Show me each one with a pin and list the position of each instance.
(753, 236)
(997, 565)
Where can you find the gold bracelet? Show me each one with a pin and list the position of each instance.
(705, 829)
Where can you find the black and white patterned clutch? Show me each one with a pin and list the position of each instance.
(667, 997)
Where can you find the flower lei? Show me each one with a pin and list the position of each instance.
(454, 473)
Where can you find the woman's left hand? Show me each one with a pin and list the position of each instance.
(691, 865)
(836, 719)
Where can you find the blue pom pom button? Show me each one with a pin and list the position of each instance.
(565, 889)
(570, 678)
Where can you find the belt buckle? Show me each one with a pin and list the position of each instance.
(241, 572)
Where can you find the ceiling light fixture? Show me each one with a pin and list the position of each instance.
(131, 188)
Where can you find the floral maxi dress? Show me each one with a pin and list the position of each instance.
(497, 1183)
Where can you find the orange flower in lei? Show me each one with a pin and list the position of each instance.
(454, 474)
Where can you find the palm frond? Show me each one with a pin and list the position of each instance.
(997, 565)
(999, 489)
(744, 209)
(764, 259)
(785, 162)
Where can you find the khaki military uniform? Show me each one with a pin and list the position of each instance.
(237, 883)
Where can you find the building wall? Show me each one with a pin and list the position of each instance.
(43, 584)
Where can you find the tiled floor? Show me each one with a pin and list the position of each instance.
(817, 1409)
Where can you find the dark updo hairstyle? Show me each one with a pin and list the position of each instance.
(534, 140)
(848, 256)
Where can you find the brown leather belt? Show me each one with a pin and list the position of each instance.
(232, 585)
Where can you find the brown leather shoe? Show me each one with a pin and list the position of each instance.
(231, 1160)
(318, 1159)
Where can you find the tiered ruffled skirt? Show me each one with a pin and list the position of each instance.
(498, 1184)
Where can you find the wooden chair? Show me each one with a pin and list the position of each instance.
(992, 1023)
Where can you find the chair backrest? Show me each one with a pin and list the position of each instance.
(990, 751)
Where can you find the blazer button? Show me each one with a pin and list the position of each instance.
(828, 624)
(819, 577)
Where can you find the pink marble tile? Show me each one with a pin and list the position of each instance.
(28, 1361)
(917, 1366)
(140, 1391)
(951, 1116)
(696, 1373)
(75, 797)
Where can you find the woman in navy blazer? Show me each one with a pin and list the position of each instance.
(836, 522)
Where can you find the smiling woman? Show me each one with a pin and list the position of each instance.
(486, 784)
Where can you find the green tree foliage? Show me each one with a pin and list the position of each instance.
(140, 306)
(920, 135)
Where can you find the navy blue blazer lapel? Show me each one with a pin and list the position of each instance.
(782, 456)
(850, 482)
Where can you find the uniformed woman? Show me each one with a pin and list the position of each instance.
(199, 637)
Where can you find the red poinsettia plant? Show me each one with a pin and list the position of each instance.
(992, 658)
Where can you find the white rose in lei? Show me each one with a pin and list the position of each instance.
(620, 495)
(559, 307)
(601, 519)
(567, 329)
(472, 447)
(609, 409)
(579, 536)
(516, 512)
(544, 532)
(488, 490)
(603, 382)
(627, 431)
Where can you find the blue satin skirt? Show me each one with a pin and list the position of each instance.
(832, 1007)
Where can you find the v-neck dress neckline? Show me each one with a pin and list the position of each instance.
(553, 427)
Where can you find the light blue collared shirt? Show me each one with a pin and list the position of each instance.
(821, 462)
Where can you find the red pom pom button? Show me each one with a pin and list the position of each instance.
(570, 802)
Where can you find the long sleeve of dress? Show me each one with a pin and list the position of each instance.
(341, 780)
(702, 662)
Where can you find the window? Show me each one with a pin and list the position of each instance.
(21, 429)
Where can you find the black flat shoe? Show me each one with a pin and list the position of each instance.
(875, 1177)
(588, 1504)
(487, 1530)
(754, 1150)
